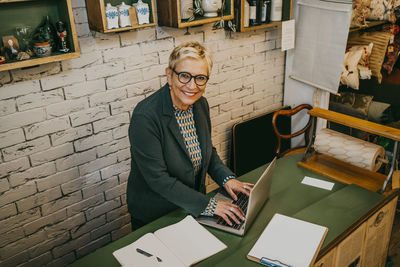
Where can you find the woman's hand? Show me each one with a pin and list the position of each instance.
(233, 186)
(228, 212)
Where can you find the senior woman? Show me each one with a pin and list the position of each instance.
(171, 148)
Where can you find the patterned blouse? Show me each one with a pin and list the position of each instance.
(188, 130)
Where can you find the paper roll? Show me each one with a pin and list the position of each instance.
(349, 149)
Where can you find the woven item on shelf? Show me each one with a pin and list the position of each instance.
(186, 6)
(380, 40)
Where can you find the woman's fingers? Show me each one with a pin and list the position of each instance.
(246, 188)
(229, 212)
(231, 193)
(234, 186)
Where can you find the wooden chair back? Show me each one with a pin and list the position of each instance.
(279, 136)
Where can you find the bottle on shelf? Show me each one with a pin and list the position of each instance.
(259, 8)
(246, 15)
(276, 10)
(265, 10)
(52, 32)
(112, 16)
(124, 19)
(142, 12)
(253, 13)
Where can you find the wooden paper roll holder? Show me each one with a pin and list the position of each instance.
(342, 171)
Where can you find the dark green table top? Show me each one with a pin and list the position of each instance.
(337, 209)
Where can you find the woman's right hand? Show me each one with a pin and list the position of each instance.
(228, 212)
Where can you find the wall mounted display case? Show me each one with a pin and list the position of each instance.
(96, 10)
(239, 16)
(169, 14)
(20, 13)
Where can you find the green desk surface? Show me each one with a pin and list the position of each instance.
(337, 209)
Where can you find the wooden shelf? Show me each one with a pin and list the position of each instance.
(353, 122)
(344, 172)
(14, 13)
(239, 11)
(38, 61)
(370, 24)
(168, 12)
(97, 15)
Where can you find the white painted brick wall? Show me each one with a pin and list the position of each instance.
(71, 134)
(19, 89)
(52, 154)
(89, 115)
(46, 127)
(26, 148)
(65, 78)
(19, 119)
(66, 107)
(41, 99)
(84, 89)
(64, 147)
(41, 171)
(109, 96)
(7, 107)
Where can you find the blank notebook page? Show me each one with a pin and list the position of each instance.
(290, 241)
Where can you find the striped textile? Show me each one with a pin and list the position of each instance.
(188, 130)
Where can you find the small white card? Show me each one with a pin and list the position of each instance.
(317, 183)
(287, 35)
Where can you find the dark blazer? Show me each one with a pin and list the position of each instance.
(162, 174)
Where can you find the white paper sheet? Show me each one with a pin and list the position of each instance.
(317, 183)
(178, 245)
(289, 241)
(189, 241)
(287, 35)
(128, 256)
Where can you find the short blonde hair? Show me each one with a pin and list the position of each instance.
(190, 49)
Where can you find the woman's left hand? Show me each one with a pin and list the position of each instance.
(234, 186)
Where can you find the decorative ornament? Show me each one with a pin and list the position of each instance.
(62, 34)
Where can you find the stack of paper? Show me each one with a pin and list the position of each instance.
(287, 241)
(181, 244)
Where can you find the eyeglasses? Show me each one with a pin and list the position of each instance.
(186, 77)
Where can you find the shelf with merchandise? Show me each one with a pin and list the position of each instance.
(169, 14)
(28, 13)
(96, 10)
(239, 16)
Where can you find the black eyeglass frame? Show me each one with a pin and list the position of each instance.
(191, 76)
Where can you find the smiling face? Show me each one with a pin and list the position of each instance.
(184, 95)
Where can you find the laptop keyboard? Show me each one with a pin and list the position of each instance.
(242, 202)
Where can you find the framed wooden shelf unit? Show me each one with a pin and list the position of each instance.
(96, 11)
(370, 24)
(239, 17)
(168, 12)
(18, 13)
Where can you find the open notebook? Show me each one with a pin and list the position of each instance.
(287, 241)
(180, 244)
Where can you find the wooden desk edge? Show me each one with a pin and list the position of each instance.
(364, 125)
(358, 223)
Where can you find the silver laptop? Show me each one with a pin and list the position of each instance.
(258, 195)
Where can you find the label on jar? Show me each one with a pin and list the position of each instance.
(253, 12)
(264, 12)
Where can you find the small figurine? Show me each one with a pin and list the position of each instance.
(62, 33)
(124, 20)
(23, 56)
(11, 47)
(14, 51)
(142, 12)
(112, 16)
